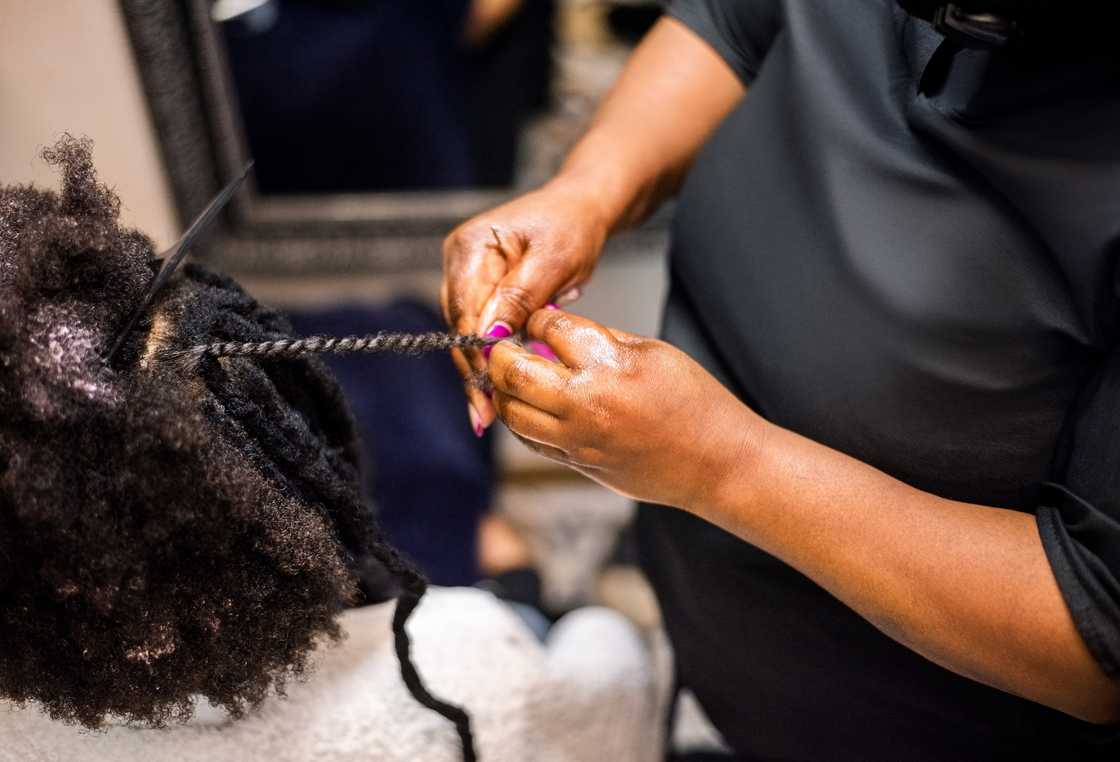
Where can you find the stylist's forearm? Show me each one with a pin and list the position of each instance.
(674, 92)
(967, 586)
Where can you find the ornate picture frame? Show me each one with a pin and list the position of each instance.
(183, 71)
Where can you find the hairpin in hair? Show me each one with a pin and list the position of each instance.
(177, 253)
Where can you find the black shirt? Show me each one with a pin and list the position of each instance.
(921, 274)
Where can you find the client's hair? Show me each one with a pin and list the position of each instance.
(163, 534)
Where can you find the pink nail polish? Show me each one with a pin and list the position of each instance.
(542, 349)
(476, 420)
(551, 307)
(499, 330)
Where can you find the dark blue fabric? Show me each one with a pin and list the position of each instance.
(358, 95)
(355, 96)
(429, 475)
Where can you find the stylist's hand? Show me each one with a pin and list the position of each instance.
(550, 241)
(635, 414)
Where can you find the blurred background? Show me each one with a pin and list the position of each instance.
(376, 125)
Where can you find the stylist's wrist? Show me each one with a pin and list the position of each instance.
(585, 191)
(609, 186)
(728, 481)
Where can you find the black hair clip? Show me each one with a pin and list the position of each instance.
(174, 256)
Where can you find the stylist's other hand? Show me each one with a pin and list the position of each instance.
(550, 241)
(635, 414)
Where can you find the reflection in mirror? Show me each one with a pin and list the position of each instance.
(346, 96)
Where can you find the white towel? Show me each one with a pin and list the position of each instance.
(590, 693)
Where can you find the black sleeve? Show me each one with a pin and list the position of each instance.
(1079, 520)
(741, 31)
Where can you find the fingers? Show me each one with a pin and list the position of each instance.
(496, 276)
(473, 267)
(548, 451)
(558, 455)
(526, 421)
(525, 376)
(444, 301)
(480, 410)
(575, 340)
(528, 285)
(541, 432)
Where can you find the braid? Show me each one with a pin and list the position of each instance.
(401, 343)
(413, 587)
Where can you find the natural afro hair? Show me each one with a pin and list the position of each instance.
(163, 536)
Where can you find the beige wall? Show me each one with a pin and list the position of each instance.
(66, 66)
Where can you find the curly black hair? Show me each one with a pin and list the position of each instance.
(163, 535)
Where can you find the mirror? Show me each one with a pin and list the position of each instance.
(358, 96)
(376, 125)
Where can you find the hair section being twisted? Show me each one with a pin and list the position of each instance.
(414, 344)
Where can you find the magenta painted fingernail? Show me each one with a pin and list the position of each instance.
(542, 349)
(499, 330)
(476, 420)
(551, 307)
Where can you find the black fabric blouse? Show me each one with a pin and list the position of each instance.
(910, 257)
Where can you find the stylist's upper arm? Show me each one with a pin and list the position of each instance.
(506, 263)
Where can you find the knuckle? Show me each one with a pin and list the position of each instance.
(557, 326)
(517, 298)
(599, 410)
(605, 412)
(460, 243)
(593, 395)
(452, 245)
(629, 362)
(516, 375)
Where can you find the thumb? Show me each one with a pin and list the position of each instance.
(576, 341)
(528, 286)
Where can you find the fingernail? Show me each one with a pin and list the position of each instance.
(476, 420)
(551, 307)
(542, 349)
(499, 330)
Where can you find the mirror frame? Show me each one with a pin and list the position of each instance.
(183, 71)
